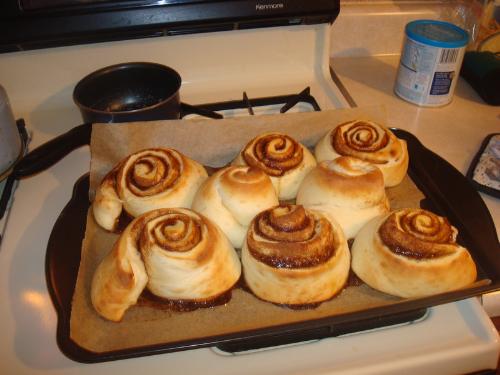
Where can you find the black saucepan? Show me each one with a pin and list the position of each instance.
(137, 91)
(134, 91)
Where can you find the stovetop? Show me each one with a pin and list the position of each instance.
(40, 84)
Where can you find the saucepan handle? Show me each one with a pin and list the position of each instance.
(188, 109)
(54, 150)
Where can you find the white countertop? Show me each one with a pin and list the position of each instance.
(454, 132)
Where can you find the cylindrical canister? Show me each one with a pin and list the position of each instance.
(430, 62)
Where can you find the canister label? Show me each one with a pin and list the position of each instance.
(428, 74)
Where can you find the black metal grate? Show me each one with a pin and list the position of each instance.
(212, 110)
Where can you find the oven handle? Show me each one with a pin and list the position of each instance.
(51, 152)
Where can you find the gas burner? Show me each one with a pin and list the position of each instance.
(301, 102)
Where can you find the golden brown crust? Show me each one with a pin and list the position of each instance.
(363, 140)
(350, 176)
(274, 153)
(186, 256)
(149, 172)
(294, 256)
(233, 196)
(245, 181)
(369, 141)
(343, 181)
(411, 253)
(120, 277)
(282, 158)
(175, 233)
(418, 234)
(350, 189)
(177, 253)
(146, 180)
(288, 236)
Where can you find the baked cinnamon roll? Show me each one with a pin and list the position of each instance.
(187, 257)
(350, 189)
(233, 196)
(411, 253)
(144, 181)
(368, 141)
(284, 159)
(176, 253)
(293, 256)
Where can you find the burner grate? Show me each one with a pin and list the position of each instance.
(301, 102)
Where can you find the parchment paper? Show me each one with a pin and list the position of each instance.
(213, 143)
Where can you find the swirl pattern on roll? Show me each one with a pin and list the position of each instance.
(187, 257)
(362, 140)
(290, 237)
(144, 181)
(174, 232)
(150, 173)
(233, 196)
(369, 141)
(178, 255)
(280, 156)
(295, 256)
(412, 253)
(418, 234)
(350, 189)
(274, 153)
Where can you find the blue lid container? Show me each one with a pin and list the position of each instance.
(437, 33)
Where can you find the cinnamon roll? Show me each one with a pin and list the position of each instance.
(368, 141)
(350, 189)
(411, 253)
(294, 256)
(187, 257)
(144, 181)
(232, 197)
(284, 159)
(176, 253)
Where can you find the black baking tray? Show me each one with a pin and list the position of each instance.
(447, 193)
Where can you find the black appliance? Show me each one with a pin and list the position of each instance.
(32, 24)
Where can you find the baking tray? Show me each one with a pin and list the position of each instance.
(447, 193)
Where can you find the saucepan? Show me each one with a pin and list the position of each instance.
(132, 91)
(127, 92)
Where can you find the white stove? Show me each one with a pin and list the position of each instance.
(449, 339)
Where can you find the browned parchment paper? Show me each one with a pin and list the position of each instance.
(213, 143)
